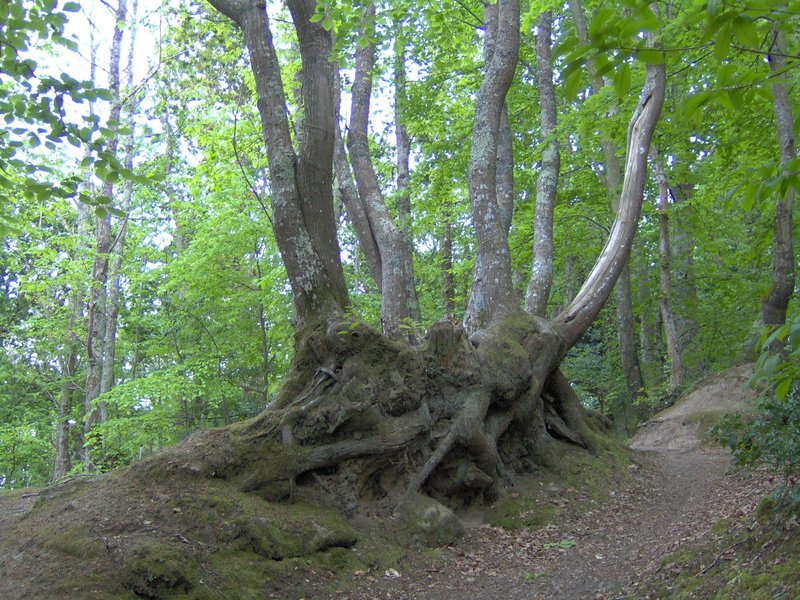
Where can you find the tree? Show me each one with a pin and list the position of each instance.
(541, 279)
(783, 274)
(361, 413)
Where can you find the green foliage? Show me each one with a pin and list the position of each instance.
(41, 114)
(772, 435)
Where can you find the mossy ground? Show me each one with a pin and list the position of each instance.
(580, 477)
(750, 557)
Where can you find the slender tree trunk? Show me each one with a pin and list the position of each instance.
(547, 184)
(448, 287)
(403, 143)
(355, 209)
(265, 345)
(783, 272)
(649, 328)
(674, 349)
(98, 294)
(115, 269)
(395, 284)
(492, 294)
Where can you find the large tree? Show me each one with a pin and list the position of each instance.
(365, 420)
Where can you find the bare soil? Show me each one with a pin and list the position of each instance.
(679, 487)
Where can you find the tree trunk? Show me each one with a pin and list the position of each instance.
(396, 281)
(98, 294)
(403, 145)
(302, 191)
(492, 294)
(448, 287)
(547, 184)
(577, 317)
(118, 246)
(674, 349)
(355, 208)
(684, 287)
(649, 327)
(625, 322)
(783, 272)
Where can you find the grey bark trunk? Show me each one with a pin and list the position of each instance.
(355, 209)
(118, 246)
(783, 273)
(684, 286)
(448, 287)
(395, 301)
(541, 280)
(674, 349)
(649, 327)
(492, 294)
(302, 183)
(98, 294)
(403, 143)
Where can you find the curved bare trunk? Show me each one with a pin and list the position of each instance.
(576, 318)
(395, 300)
(626, 335)
(403, 144)
(355, 209)
(547, 184)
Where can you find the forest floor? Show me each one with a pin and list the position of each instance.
(607, 539)
(611, 547)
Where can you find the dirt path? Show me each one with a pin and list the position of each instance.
(679, 489)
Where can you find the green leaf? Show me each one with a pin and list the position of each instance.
(650, 57)
(783, 388)
(722, 43)
(71, 7)
(573, 84)
(622, 80)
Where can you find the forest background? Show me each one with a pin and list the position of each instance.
(144, 296)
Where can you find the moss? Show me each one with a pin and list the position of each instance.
(760, 564)
(766, 509)
(158, 569)
(74, 541)
(518, 511)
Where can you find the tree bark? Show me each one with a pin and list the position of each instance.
(783, 272)
(403, 144)
(547, 184)
(576, 318)
(118, 245)
(625, 322)
(301, 183)
(355, 209)
(674, 348)
(448, 287)
(396, 281)
(98, 294)
(492, 295)
(649, 326)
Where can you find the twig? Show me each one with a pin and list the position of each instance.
(719, 556)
